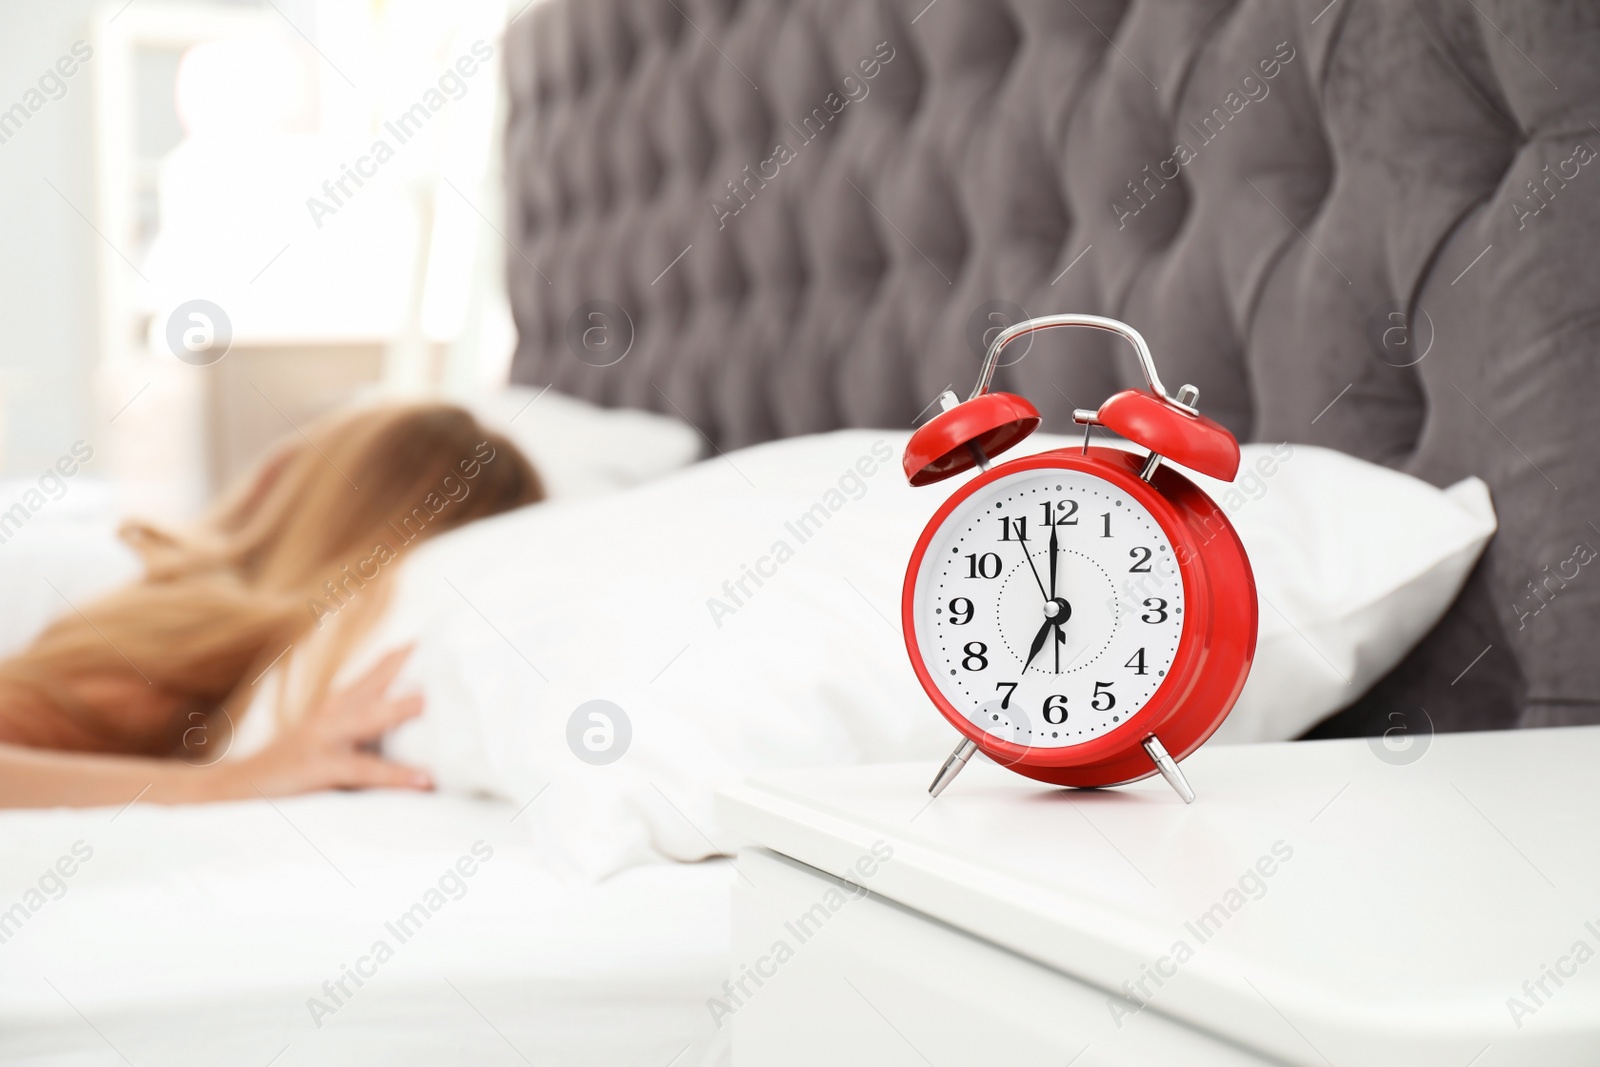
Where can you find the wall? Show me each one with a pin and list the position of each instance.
(48, 255)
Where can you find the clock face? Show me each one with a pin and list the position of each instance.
(1048, 607)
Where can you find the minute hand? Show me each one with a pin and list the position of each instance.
(1027, 555)
(1054, 545)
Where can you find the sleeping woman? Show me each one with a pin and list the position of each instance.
(116, 700)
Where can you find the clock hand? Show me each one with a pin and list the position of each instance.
(1054, 545)
(1056, 613)
(1038, 642)
(1029, 557)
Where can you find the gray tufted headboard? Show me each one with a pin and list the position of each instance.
(1369, 225)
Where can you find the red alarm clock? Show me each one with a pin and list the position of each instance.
(1085, 616)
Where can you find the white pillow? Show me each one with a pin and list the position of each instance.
(735, 640)
(70, 543)
(1354, 564)
(582, 450)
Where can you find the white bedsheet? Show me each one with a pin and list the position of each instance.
(198, 935)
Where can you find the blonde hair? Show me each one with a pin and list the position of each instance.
(310, 534)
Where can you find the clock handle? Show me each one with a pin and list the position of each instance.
(1168, 425)
(1168, 768)
(1094, 322)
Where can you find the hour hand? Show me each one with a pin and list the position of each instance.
(1038, 642)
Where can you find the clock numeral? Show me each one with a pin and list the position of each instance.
(975, 654)
(963, 607)
(1103, 689)
(1055, 710)
(984, 566)
(1006, 526)
(1141, 560)
(1105, 519)
(1010, 688)
(1158, 607)
(1137, 662)
(1061, 513)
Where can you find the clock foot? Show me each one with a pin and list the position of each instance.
(953, 766)
(1168, 768)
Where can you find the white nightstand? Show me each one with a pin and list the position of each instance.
(1318, 905)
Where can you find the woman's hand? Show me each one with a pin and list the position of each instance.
(332, 747)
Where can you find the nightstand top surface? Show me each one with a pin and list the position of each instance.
(1331, 902)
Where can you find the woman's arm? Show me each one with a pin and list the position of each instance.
(327, 749)
(40, 778)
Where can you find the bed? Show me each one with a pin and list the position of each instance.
(551, 907)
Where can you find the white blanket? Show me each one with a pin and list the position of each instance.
(222, 934)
